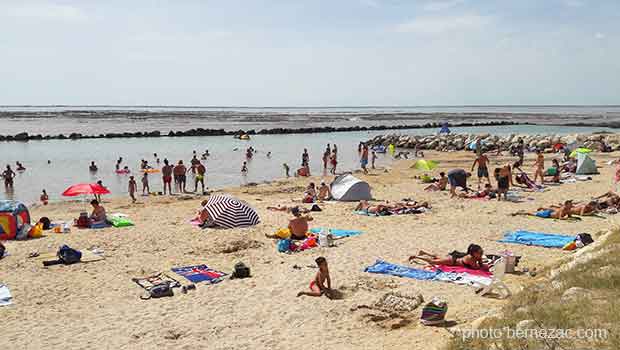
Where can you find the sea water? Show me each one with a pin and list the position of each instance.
(69, 159)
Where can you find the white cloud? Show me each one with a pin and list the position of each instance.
(599, 36)
(573, 3)
(442, 5)
(44, 11)
(443, 24)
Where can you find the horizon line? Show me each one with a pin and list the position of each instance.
(306, 107)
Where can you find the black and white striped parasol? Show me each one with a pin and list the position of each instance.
(230, 212)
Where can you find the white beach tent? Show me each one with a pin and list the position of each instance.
(347, 187)
(585, 165)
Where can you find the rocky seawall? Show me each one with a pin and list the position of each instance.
(24, 136)
(459, 142)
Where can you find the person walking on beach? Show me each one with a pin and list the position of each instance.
(200, 176)
(179, 176)
(8, 176)
(132, 188)
(166, 172)
(145, 184)
(326, 155)
(520, 150)
(483, 168)
(539, 166)
(364, 158)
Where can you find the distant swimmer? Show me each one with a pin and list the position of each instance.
(268, 154)
(93, 167)
(19, 166)
(244, 169)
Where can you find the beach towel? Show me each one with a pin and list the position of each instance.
(337, 232)
(5, 295)
(462, 269)
(383, 267)
(547, 240)
(464, 278)
(365, 213)
(120, 221)
(199, 273)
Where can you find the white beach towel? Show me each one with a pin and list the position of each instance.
(5, 295)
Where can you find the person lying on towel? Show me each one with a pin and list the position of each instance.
(471, 260)
(297, 227)
(563, 213)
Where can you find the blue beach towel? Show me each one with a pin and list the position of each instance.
(337, 232)
(199, 273)
(386, 268)
(537, 238)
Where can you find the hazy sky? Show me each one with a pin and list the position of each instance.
(310, 53)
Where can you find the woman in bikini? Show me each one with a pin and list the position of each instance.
(471, 260)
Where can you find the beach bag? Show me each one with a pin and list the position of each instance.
(160, 290)
(240, 271)
(316, 208)
(284, 245)
(434, 312)
(83, 221)
(36, 231)
(585, 238)
(68, 255)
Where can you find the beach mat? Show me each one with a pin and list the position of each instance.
(547, 240)
(386, 268)
(199, 273)
(5, 295)
(337, 232)
(87, 256)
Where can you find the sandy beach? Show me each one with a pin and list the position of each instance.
(96, 305)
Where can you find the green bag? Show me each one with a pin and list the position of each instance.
(118, 221)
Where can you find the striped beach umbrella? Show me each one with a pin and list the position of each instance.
(230, 212)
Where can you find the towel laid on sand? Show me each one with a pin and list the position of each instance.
(5, 295)
(547, 240)
(462, 269)
(199, 273)
(337, 232)
(387, 268)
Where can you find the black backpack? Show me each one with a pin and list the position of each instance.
(585, 238)
(240, 271)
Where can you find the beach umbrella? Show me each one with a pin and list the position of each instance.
(424, 164)
(230, 212)
(80, 189)
(579, 150)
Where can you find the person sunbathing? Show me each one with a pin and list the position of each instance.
(585, 209)
(364, 206)
(471, 260)
(609, 199)
(563, 213)
(287, 209)
(440, 185)
(486, 193)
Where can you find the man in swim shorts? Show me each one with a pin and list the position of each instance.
(483, 169)
(179, 176)
(458, 178)
(200, 176)
(563, 213)
(8, 176)
(364, 159)
(166, 172)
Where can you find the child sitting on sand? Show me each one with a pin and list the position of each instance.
(471, 260)
(318, 285)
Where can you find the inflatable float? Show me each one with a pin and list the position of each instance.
(122, 171)
(379, 149)
(150, 171)
(242, 137)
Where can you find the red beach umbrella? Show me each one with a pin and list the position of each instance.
(79, 189)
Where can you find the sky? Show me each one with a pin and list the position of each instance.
(309, 53)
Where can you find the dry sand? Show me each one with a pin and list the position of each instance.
(97, 306)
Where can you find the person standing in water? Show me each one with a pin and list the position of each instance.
(166, 172)
(305, 158)
(200, 176)
(44, 197)
(92, 168)
(8, 176)
(145, 184)
(373, 158)
(334, 161)
(179, 176)
(287, 170)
